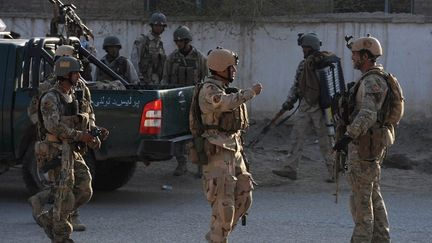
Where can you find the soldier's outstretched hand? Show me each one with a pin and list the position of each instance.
(257, 88)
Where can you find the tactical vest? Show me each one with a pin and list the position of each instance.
(381, 135)
(235, 120)
(232, 121)
(152, 59)
(185, 69)
(66, 110)
(119, 65)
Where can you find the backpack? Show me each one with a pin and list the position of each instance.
(196, 151)
(394, 102)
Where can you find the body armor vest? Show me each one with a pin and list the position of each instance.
(152, 59)
(66, 110)
(119, 65)
(235, 120)
(184, 69)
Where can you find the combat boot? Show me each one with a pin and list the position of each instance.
(181, 167)
(46, 223)
(286, 172)
(36, 207)
(76, 222)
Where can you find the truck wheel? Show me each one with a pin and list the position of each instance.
(111, 175)
(29, 171)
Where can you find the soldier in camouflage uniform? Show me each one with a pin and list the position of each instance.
(64, 127)
(227, 183)
(40, 199)
(306, 90)
(148, 54)
(119, 64)
(185, 66)
(369, 142)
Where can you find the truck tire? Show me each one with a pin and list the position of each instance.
(111, 175)
(31, 176)
(29, 171)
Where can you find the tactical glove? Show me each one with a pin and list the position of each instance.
(342, 143)
(287, 105)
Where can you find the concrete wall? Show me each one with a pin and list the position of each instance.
(269, 53)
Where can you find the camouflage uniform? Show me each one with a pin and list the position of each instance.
(122, 66)
(185, 69)
(61, 123)
(227, 184)
(366, 154)
(309, 113)
(148, 57)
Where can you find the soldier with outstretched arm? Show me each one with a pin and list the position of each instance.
(227, 183)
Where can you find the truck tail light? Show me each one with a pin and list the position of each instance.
(151, 118)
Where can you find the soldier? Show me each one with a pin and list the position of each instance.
(306, 90)
(370, 136)
(119, 64)
(40, 199)
(64, 126)
(185, 66)
(227, 183)
(148, 54)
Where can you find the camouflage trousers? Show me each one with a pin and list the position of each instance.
(305, 121)
(366, 202)
(228, 188)
(77, 194)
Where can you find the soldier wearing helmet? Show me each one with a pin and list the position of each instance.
(305, 90)
(370, 137)
(185, 66)
(227, 183)
(39, 200)
(148, 53)
(119, 64)
(62, 124)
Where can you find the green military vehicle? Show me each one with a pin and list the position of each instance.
(146, 123)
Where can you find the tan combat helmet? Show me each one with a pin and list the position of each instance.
(369, 43)
(64, 50)
(220, 59)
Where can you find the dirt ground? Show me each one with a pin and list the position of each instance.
(408, 163)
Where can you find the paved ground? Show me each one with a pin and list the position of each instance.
(286, 211)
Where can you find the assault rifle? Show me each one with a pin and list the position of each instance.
(342, 111)
(72, 24)
(67, 177)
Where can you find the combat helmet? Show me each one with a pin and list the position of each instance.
(65, 65)
(220, 59)
(309, 40)
(368, 43)
(111, 41)
(182, 33)
(158, 18)
(64, 50)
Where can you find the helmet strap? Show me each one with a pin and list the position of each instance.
(229, 78)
